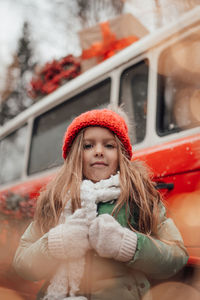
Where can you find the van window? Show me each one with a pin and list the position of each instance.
(133, 94)
(12, 150)
(178, 104)
(49, 128)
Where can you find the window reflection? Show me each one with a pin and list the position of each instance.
(12, 150)
(179, 86)
(133, 94)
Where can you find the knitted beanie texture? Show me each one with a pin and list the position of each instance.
(104, 118)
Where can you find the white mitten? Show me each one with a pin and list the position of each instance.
(111, 240)
(70, 240)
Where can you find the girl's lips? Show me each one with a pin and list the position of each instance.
(99, 163)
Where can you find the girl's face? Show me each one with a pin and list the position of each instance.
(100, 154)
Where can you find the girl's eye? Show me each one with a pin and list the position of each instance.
(87, 146)
(111, 146)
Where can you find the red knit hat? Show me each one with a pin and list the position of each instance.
(104, 118)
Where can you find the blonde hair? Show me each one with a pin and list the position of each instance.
(137, 190)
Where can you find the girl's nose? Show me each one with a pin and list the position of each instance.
(99, 150)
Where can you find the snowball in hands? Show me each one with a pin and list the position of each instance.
(111, 240)
(69, 240)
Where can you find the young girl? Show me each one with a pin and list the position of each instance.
(100, 230)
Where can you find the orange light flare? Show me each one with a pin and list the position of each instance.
(173, 290)
(184, 209)
(186, 54)
(182, 60)
(7, 294)
(195, 104)
(186, 108)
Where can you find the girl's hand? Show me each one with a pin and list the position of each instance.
(70, 240)
(111, 240)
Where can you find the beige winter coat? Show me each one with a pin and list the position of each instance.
(106, 279)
